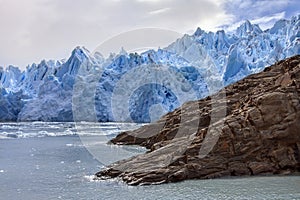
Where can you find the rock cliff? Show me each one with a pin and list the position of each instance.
(47, 91)
(251, 127)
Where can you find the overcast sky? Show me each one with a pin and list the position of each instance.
(32, 30)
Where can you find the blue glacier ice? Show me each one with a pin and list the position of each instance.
(247, 50)
(142, 87)
(146, 94)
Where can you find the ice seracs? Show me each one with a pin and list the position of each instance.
(202, 63)
(247, 50)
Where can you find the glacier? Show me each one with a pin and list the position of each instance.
(141, 87)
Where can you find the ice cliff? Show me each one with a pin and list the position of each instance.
(158, 81)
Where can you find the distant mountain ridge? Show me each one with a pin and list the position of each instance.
(208, 61)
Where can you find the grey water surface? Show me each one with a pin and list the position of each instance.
(58, 160)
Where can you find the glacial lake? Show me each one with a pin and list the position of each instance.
(57, 161)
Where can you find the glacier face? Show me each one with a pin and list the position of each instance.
(247, 50)
(142, 87)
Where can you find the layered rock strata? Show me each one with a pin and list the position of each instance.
(252, 127)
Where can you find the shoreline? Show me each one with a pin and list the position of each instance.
(259, 134)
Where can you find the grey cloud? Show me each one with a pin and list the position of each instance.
(36, 29)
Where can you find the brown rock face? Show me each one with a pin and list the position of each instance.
(251, 127)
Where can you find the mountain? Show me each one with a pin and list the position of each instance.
(88, 87)
(250, 127)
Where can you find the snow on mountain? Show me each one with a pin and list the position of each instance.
(142, 87)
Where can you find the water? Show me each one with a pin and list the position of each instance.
(54, 161)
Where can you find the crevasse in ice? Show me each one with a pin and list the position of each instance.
(142, 87)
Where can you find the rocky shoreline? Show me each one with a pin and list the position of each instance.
(251, 127)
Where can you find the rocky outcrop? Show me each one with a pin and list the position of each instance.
(251, 127)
